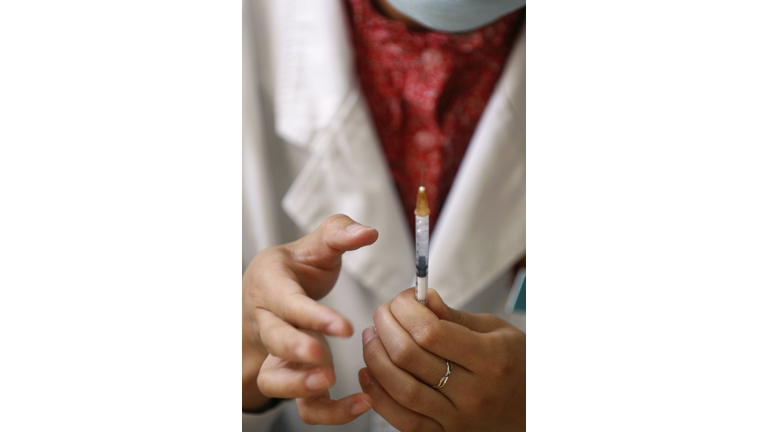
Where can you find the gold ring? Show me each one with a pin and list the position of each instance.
(444, 379)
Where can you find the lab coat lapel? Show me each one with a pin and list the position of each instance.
(481, 230)
(319, 108)
(314, 71)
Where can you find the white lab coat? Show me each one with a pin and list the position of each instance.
(310, 151)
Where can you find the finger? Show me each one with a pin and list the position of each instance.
(286, 342)
(402, 386)
(440, 337)
(288, 301)
(324, 410)
(406, 354)
(400, 417)
(325, 245)
(482, 323)
(281, 379)
(436, 304)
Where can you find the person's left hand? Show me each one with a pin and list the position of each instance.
(406, 355)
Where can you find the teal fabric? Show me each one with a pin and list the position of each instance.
(520, 303)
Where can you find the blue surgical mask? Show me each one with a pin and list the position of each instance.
(455, 16)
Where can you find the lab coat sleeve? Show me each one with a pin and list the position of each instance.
(256, 219)
(263, 422)
(259, 219)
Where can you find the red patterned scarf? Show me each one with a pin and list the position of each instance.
(426, 91)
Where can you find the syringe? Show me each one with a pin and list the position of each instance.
(422, 244)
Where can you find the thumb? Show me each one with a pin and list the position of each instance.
(482, 323)
(324, 246)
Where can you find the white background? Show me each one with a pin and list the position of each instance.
(120, 218)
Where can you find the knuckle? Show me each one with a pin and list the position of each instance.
(476, 402)
(499, 369)
(380, 311)
(427, 336)
(490, 319)
(268, 252)
(268, 332)
(287, 305)
(280, 256)
(305, 413)
(277, 342)
(487, 404)
(263, 384)
(404, 296)
(265, 258)
(252, 288)
(410, 394)
(265, 334)
(334, 220)
(402, 355)
(504, 364)
(401, 301)
(493, 324)
(507, 366)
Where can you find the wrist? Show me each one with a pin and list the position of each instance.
(254, 355)
(253, 399)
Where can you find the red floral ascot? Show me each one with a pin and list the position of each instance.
(426, 91)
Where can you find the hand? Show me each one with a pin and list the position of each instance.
(284, 350)
(406, 355)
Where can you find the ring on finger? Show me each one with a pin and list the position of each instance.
(444, 379)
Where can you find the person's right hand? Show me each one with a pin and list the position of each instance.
(282, 318)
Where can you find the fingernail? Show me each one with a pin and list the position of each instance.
(368, 334)
(317, 381)
(365, 377)
(335, 327)
(356, 228)
(360, 407)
